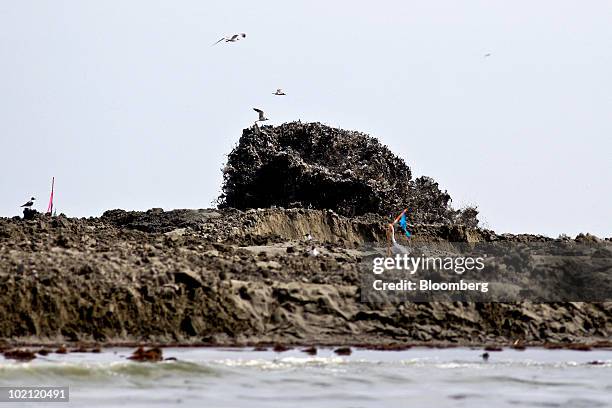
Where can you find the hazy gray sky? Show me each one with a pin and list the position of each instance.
(128, 106)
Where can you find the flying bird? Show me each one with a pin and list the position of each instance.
(488, 54)
(262, 117)
(233, 38)
(29, 203)
(279, 92)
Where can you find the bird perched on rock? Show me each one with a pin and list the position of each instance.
(279, 92)
(29, 203)
(232, 39)
(262, 117)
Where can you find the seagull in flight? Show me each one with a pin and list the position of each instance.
(262, 117)
(29, 203)
(233, 38)
(488, 54)
(279, 92)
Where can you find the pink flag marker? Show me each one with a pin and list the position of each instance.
(50, 207)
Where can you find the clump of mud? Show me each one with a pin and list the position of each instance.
(310, 165)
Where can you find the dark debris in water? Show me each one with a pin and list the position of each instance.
(388, 347)
(578, 347)
(343, 351)
(311, 351)
(152, 354)
(61, 350)
(20, 354)
(279, 348)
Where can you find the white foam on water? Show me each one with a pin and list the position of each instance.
(242, 377)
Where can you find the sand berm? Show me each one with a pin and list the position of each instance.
(244, 274)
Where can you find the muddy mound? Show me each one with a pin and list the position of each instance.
(230, 277)
(310, 165)
(158, 220)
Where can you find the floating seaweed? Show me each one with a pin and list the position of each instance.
(20, 354)
(343, 351)
(152, 354)
(311, 351)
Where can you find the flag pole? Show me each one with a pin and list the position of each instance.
(50, 207)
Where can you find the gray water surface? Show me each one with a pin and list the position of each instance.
(418, 377)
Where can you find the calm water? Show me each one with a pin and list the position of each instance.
(204, 377)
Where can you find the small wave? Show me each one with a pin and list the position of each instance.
(530, 381)
(570, 403)
(101, 371)
(479, 364)
(282, 363)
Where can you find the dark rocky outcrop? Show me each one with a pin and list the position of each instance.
(310, 165)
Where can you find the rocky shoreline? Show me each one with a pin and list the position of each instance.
(236, 278)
